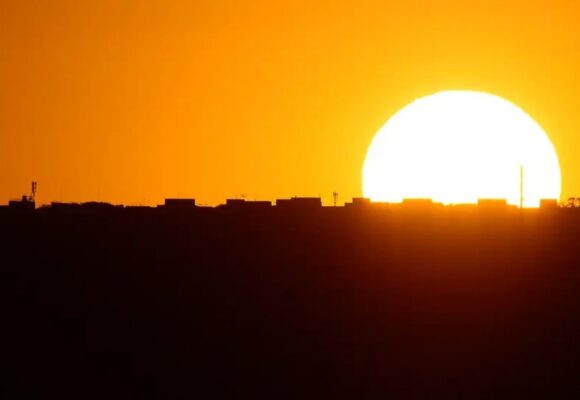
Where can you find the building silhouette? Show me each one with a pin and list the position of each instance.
(299, 203)
(248, 299)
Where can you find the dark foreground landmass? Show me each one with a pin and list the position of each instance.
(100, 303)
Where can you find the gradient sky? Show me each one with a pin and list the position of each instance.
(134, 101)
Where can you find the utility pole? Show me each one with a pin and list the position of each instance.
(521, 185)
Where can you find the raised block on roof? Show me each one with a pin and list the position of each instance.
(252, 204)
(299, 202)
(419, 203)
(179, 203)
(492, 203)
(24, 204)
(548, 203)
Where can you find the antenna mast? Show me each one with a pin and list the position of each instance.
(521, 185)
(335, 197)
(33, 194)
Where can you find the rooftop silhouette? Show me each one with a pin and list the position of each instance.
(256, 298)
(294, 203)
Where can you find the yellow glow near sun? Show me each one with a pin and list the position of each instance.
(458, 147)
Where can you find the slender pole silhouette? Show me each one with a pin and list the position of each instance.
(521, 185)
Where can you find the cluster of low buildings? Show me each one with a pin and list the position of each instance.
(294, 203)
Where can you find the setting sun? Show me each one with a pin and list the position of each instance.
(458, 147)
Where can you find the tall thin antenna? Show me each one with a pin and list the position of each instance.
(335, 197)
(521, 185)
(33, 194)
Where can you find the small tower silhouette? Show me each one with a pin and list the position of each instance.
(335, 197)
(521, 185)
(33, 194)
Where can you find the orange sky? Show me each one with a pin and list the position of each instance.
(134, 101)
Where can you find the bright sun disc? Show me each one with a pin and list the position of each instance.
(460, 146)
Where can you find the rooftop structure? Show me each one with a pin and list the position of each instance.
(25, 203)
(492, 203)
(179, 204)
(358, 202)
(419, 203)
(548, 203)
(299, 203)
(245, 204)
